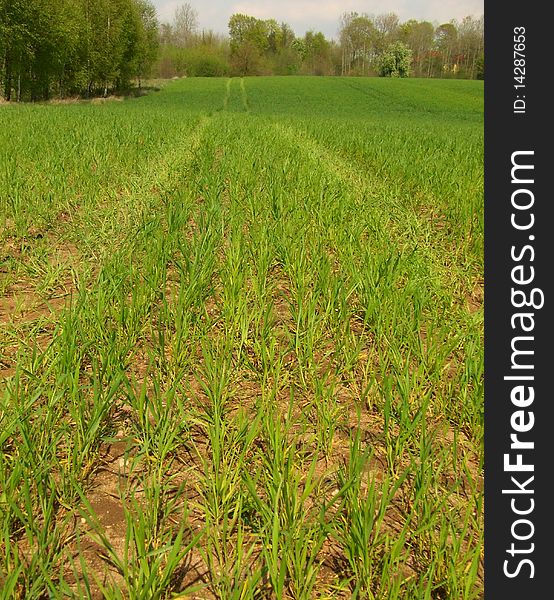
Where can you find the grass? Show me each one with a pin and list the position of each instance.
(241, 342)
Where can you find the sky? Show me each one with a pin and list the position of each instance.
(320, 15)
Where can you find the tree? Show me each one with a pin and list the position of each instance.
(75, 46)
(386, 26)
(395, 61)
(244, 29)
(289, 51)
(446, 41)
(66, 29)
(317, 53)
(358, 37)
(480, 66)
(246, 59)
(16, 23)
(419, 37)
(249, 41)
(147, 44)
(470, 45)
(185, 25)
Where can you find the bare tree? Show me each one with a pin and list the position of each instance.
(185, 24)
(387, 26)
(470, 43)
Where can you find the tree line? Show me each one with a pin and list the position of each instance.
(94, 47)
(366, 45)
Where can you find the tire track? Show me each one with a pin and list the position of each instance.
(235, 100)
(227, 94)
(394, 219)
(244, 95)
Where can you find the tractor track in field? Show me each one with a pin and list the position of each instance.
(235, 101)
(227, 94)
(393, 218)
(244, 95)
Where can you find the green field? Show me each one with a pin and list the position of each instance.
(241, 342)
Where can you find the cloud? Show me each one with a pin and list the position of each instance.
(330, 10)
(166, 8)
(320, 14)
(287, 10)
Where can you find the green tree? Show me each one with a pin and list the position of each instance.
(419, 37)
(65, 60)
(147, 42)
(17, 19)
(249, 41)
(287, 51)
(71, 46)
(395, 61)
(317, 54)
(244, 29)
(358, 38)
